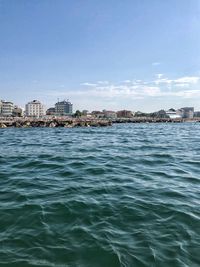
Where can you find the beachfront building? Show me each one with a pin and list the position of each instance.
(124, 114)
(6, 108)
(63, 108)
(187, 112)
(172, 113)
(50, 111)
(17, 112)
(34, 109)
(97, 114)
(109, 114)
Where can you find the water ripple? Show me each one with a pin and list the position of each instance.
(126, 195)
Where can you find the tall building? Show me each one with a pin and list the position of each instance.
(64, 108)
(34, 109)
(6, 108)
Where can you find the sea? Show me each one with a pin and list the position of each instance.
(121, 196)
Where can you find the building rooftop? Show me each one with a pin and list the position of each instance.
(34, 102)
(63, 102)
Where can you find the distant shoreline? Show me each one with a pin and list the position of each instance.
(82, 122)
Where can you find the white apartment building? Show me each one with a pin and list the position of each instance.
(6, 108)
(34, 109)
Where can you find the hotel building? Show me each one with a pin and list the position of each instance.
(34, 109)
(63, 108)
(6, 108)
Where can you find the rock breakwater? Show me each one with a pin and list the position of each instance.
(80, 122)
(155, 120)
(67, 123)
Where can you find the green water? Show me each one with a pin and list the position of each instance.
(127, 195)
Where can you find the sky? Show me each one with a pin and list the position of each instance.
(101, 54)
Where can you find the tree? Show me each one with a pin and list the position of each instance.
(77, 114)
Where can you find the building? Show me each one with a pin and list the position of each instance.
(172, 113)
(50, 111)
(85, 112)
(97, 114)
(34, 109)
(159, 114)
(17, 111)
(197, 114)
(187, 112)
(64, 108)
(124, 114)
(109, 114)
(6, 108)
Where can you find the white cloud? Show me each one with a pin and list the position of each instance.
(119, 91)
(127, 81)
(179, 82)
(162, 86)
(156, 63)
(151, 91)
(188, 93)
(187, 79)
(89, 84)
(103, 93)
(163, 81)
(103, 82)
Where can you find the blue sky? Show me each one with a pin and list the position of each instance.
(112, 54)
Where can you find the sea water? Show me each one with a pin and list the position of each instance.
(126, 195)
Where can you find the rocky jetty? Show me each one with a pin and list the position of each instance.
(80, 122)
(67, 123)
(154, 120)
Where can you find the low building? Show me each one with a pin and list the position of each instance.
(34, 109)
(97, 114)
(172, 113)
(85, 112)
(50, 111)
(108, 114)
(124, 114)
(17, 111)
(63, 108)
(186, 112)
(159, 114)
